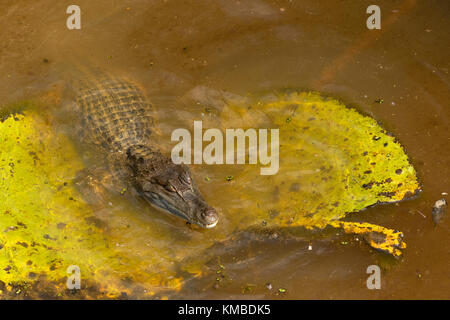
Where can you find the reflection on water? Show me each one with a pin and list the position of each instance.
(184, 51)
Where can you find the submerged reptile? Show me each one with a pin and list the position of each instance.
(116, 117)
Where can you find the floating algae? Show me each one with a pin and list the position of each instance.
(45, 227)
(333, 161)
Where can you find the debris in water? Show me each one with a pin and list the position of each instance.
(439, 210)
(248, 288)
(420, 212)
(273, 236)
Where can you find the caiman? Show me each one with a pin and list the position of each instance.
(117, 119)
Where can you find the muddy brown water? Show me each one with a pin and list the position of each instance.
(247, 46)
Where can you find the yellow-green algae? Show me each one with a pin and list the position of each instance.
(45, 227)
(333, 161)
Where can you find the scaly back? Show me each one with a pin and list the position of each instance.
(114, 112)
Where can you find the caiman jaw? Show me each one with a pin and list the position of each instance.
(194, 211)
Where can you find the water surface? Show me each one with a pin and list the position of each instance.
(173, 48)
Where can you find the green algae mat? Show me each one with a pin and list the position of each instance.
(333, 161)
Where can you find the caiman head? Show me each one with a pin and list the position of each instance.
(169, 187)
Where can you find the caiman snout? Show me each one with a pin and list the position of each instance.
(209, 218)
(197, 210)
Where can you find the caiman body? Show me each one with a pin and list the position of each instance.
(118, 120)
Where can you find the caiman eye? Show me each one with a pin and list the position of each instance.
(170, 188)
